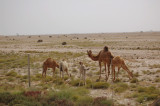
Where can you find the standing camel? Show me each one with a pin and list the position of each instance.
(82, 70)
(104, 56)
(63, 66)
(49, 63)
(119, 62)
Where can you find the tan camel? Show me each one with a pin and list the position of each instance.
(63, 66)
(104, 56)
(119, 62)
(49, 63)
(82, 70)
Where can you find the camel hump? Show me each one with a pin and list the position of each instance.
(105, 48)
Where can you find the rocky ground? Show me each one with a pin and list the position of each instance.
(140, 50)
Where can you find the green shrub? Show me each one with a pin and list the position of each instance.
(58, 80)
(134, 80)
(24, 76)
(11, 73)
(99, 85)
(136, 74)
(6, 97)
(17, 99)
(146, 94)
(120, 87)
(157, 80)
(84, 101)
(74, 70)
(76, 82)
(48, 78)
(10, 79)
(102, 101)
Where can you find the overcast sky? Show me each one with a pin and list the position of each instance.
(78, 16)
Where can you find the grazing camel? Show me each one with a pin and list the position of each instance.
(49, 63)
(104, 56)
(82, 70)
(63, 66)
(119, 62)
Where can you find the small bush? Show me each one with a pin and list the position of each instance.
(17, 99)
(40, 40)
(146, 94)
(10, 79)
(157, 80)
(11, 73)
(120, 87)
(48, 78)
(136, 74)
(24, 77)
(74, 70)
(84, 101)
(58, 81)
(64, 43)
(76, 82)
(99, 85)
(134, 80)
(6, 97)
(102, 101)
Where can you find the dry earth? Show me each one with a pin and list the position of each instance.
(140, 50)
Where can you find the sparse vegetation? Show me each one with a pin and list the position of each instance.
(144, 94)
(120, 87)
(143, 89)
(100, 85)
(154, 66)
(134, 80)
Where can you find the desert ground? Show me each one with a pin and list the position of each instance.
(140, 51)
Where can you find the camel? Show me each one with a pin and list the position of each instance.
(82, 70)
(104, 56)
(49, 63)
(63, 67)
(117, 61)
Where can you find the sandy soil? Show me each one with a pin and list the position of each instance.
(140, 51)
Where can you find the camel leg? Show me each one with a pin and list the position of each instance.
(105, 68)
(84, 79)
(44, 70)
(60, 74)
(100, 70)
(118, 71)
(45, 74)
(67, 72)
(113, 73)
(53, 69)
(106, 72)
(108, 65)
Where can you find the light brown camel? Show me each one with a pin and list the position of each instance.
(49, 63)
(117, 61)
(104, 56)
(63, 66)
(82, 70)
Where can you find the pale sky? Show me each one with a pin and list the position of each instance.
(78, 16)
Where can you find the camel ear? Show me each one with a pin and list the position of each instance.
(87, 51)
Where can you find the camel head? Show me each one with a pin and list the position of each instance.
(106, 48)
(89, 52)
(57, 65)
(80, 63)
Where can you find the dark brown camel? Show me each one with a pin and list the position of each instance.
(104, 56)
(49, 63)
